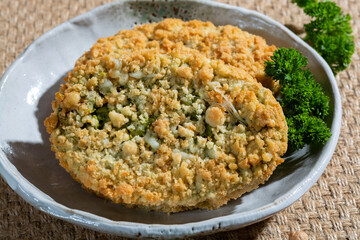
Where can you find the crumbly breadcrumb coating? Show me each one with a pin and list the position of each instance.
(169, 117)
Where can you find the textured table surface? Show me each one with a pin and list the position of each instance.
(329, 210)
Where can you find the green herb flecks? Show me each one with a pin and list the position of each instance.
(142, 127)
(102, 115)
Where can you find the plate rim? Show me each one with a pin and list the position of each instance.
(45, 203)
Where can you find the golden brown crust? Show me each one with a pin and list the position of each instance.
(169, 117)
(227, 43)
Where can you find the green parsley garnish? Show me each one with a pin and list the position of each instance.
(329, 32)
(304, 103)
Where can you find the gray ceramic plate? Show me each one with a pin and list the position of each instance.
(30, 168)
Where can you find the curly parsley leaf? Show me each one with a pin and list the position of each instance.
(329, 32)
(304, 103)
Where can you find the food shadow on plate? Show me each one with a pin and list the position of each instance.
(37, 163)
(292, 161)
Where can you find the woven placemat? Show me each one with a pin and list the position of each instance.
(330, 210)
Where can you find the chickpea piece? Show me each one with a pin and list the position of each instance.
(129, 148)
(214, 116)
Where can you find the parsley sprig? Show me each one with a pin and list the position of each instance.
(329, 32)
(304, 103)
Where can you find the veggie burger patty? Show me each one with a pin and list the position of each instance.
(170, 116)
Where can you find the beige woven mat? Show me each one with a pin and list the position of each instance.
(330, 210)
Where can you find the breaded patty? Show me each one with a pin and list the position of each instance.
(164, 124)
